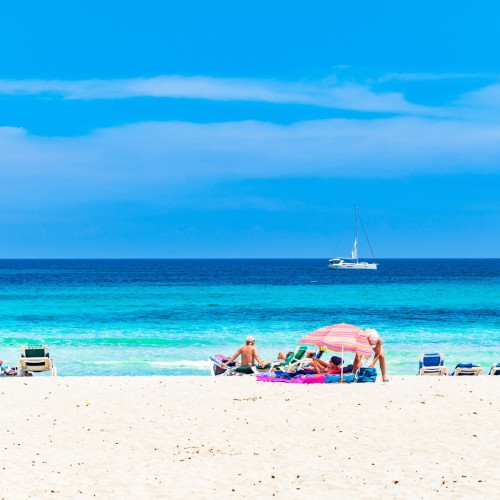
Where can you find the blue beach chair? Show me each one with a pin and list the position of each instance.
(467, 369)
(495, 369)
(432, 364)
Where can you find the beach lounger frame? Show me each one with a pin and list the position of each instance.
(495, 369)
(432, 364)
(36, 359)
(229, 370)
(293, 362)
(305, 361)
(471, 371)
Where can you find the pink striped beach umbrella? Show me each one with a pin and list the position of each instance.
(340, 338)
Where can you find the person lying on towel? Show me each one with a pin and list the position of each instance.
(333, 366)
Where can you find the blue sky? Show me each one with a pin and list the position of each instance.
(214, 129)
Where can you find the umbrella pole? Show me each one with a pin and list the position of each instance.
(342, 366)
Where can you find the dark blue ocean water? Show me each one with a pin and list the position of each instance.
(167, 316)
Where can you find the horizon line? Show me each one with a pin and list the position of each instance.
(241, 258)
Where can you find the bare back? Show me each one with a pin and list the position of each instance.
(248, 355)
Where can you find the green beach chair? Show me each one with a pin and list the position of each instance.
(292, 362)
(35, 359)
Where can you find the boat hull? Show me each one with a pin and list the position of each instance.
(354, 265)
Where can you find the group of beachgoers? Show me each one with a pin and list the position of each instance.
(249, 357)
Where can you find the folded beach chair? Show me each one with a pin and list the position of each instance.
(35, 358)
(467, 369)
(432, 364)
(293, 361)
(495, 369)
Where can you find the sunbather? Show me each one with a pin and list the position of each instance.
(333, 367)
(249, 355)
(282, 356)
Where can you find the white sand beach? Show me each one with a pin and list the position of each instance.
(195, 437)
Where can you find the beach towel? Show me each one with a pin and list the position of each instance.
(335, 379)
(301, 379)
(270, 377)
(10, 372)
(308, 379)
(218, 359)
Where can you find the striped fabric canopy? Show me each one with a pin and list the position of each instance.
(341, 337)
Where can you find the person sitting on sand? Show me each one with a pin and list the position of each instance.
(249, 355)
(333, 367)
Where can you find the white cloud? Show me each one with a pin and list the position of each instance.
(327, 93)
(125, 159)
(422, 77)
(463, 137)
(485, 97)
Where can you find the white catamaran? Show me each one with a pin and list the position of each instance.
(353, 262)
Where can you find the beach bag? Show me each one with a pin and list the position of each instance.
(366, 375)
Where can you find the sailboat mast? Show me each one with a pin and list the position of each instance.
(356, 238)
(366, 236)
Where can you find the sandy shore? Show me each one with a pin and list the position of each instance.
(152, 437)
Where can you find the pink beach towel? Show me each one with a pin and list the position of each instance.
(304, 379)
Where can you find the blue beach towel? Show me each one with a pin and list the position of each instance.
(335, 379)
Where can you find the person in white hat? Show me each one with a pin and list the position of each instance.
(378, 353)
(248, 353)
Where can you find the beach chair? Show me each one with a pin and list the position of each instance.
(35, 359)
(216, 369)
(467, 369)
(432, 364)
(305, 361)
(293, 361)
(495, 369)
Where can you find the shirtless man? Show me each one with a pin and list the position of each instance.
(248, 353)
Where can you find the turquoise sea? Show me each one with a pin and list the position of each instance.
(165, 317)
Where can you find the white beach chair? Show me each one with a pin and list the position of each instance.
(469, 369)
(36, 359)
(432, 364)
(217, 370)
